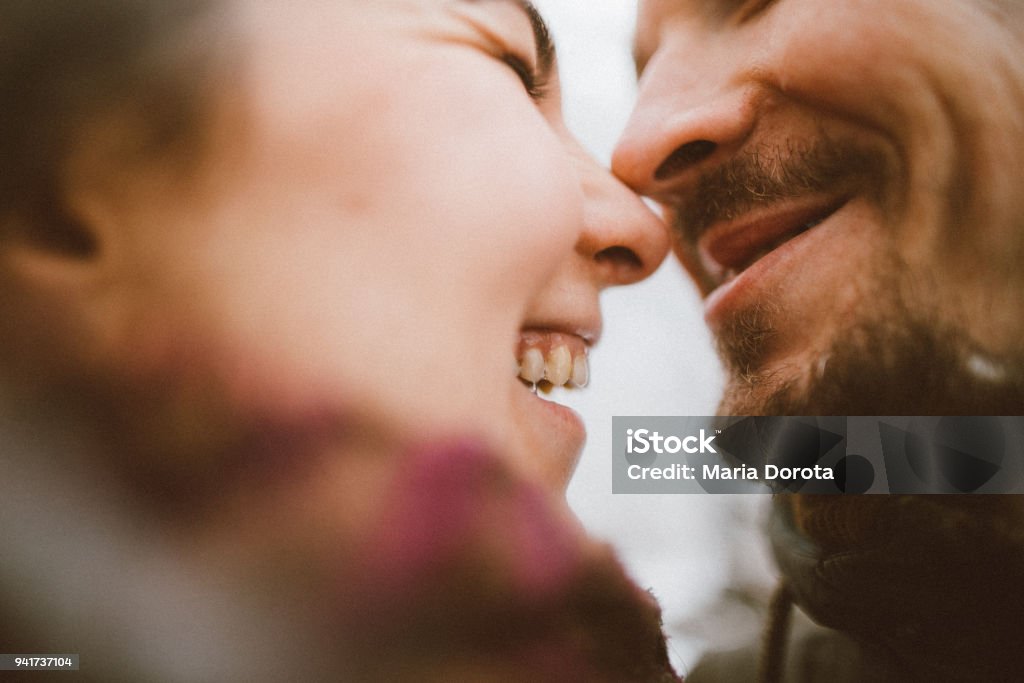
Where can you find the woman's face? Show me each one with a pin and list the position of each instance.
(383, 225)
(389, 224)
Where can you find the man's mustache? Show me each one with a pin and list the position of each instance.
(765, 174)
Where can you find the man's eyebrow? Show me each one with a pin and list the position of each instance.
(541, 34)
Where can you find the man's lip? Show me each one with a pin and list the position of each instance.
(789, 258)
(730, 247)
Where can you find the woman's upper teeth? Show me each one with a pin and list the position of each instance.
(531, 367)
(555, 358)
(580, 376)
(558, 366)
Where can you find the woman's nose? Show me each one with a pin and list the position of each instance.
(681, 125)
(623, 240)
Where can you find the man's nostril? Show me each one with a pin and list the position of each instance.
(685, 156)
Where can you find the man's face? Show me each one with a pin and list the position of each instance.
(841, 179)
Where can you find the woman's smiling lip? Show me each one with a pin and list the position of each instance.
(563, 424)
(774, 241)
(554, 354)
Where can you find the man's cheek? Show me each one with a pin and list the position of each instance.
(866, 89)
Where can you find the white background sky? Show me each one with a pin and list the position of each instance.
(655, 359)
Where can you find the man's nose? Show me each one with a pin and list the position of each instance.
(622, 239)
(682, 124)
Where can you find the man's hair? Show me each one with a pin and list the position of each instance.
(65, 65)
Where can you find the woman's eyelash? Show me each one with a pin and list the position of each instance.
(534, 83)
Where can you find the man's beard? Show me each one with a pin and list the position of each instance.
(896, 359)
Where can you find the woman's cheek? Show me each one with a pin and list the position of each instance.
(550, 216)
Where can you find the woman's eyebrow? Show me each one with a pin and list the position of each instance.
(541, 34)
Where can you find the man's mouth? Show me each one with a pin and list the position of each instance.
(730, 248)
(549, 359)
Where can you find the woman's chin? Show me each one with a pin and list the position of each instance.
(472, 565)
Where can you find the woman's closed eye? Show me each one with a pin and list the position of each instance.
(517, 36)
(533, 79)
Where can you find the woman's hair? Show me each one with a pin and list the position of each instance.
(67, 65)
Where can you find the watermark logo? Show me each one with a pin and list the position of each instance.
(822, 455)
(646, 441)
